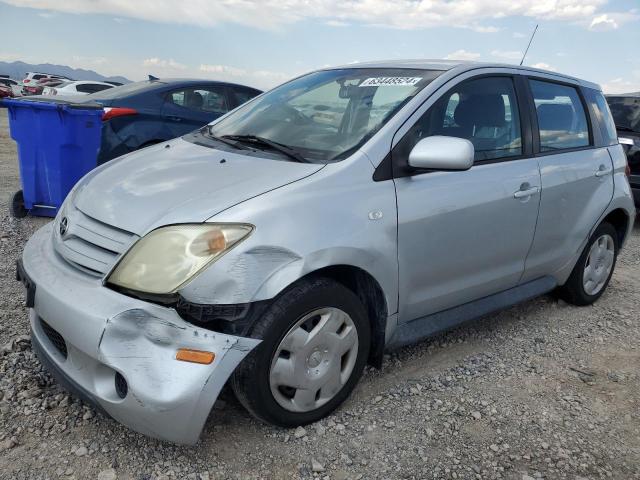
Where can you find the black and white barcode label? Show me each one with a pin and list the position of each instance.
(390, 81)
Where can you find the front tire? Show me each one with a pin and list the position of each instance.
(315, 343)
(591, 275)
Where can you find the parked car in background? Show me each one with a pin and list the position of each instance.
(37, 87)
(34, 77)
(73, 88)
(144, 113)
(14, 85)
(626, 114)
(34, 82)
(6, 91)
(289, 243)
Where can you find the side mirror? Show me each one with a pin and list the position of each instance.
(442, 153)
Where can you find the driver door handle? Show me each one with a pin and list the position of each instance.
(527, 192)
(603, 171)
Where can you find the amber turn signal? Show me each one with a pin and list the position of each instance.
(195, 356)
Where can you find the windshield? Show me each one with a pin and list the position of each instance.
(626, 112)
(325, 116)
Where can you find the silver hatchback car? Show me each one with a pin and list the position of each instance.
(292, 241)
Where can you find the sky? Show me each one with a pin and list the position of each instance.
(264, 43)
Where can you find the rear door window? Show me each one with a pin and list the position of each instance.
(86, 88)
(562, 119)
(209, 99)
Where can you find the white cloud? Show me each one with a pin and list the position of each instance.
(603, 22)
(257, 78)
(612, 21)
(11, 56)
(545, 66)
(621, 85)
(507, 54)
(519, 35)
(484, 29)
(89, 62)
(406, 14)
(169, 64)
(462, 55)
(226, 69)
(337, 23)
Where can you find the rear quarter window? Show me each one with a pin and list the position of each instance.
(603, 119)
(242, 95)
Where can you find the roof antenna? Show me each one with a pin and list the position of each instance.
(530, 40)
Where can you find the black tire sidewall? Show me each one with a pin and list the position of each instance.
(250, 381)
(18, 209)
(574, 288)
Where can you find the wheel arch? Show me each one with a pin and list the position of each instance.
(620, 220)
(370, 293)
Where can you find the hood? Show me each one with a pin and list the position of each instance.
(179, 183)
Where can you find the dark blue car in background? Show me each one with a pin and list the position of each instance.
(140, 114)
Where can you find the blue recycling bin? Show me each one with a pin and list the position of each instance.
(58, 143)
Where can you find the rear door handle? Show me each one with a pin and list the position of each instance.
(602, 172)
(174, 119)
(526, 193)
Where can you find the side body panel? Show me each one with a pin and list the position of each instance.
(463, 235)
(338, 216)
(573, 199)
(122, 135)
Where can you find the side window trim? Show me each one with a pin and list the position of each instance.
(600, 129)
(537, 151)
(228, 95)
(526, 129)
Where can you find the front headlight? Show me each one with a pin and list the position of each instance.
(166, 258)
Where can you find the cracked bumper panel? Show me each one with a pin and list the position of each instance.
(106, 332)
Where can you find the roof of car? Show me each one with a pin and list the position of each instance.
(444, 65)
(92, 82)
(197, 81)
(632, 95)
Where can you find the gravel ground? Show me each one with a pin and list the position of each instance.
(542, 390)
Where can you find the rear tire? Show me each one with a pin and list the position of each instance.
(315, 344)
(592, 273)
(18, 209)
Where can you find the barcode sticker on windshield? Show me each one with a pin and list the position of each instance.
(390, 81)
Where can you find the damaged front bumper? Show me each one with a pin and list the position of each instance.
(86, 335)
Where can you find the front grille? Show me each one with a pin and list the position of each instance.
(88, 244)
(55, 338)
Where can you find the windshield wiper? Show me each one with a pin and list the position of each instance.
(222, 139)
(256, 140)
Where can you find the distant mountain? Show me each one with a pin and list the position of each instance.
(17, 70)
